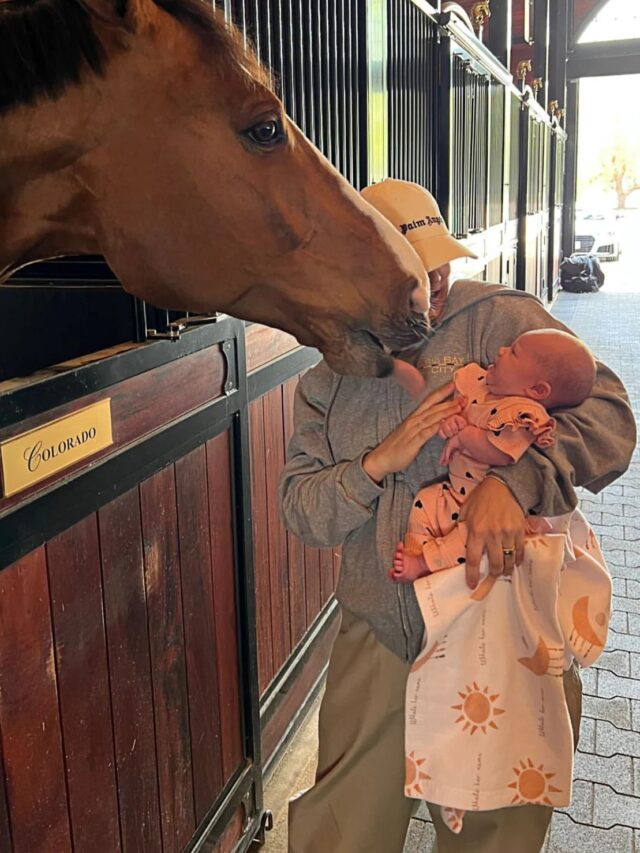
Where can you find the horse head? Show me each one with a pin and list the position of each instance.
(143, 130)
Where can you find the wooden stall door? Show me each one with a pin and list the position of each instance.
(293, 582)
(120, 719)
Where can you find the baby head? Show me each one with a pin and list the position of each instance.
(546, 365)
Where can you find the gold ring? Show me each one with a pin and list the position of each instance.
(508, 552)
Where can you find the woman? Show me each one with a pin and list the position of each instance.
(360, 452)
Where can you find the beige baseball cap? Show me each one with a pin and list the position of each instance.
(415, 213)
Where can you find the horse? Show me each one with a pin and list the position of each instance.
(146, 132)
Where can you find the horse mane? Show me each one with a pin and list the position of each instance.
(49, 45)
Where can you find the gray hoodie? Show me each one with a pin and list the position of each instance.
(327, 499)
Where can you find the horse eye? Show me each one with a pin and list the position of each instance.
(266, 133)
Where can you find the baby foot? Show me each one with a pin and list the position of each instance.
(407, 567)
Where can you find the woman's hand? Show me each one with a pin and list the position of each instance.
(400, 447)
(495, 524)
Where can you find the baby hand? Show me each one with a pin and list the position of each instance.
(449, 449)
(451, 426)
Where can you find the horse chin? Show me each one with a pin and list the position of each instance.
(358, 354)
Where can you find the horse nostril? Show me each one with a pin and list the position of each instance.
(419, 300)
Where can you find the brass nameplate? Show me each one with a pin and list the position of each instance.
(41, 452)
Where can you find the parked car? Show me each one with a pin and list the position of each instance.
(596, 234)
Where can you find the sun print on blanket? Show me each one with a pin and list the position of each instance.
(437, 651)
(584, 637)
(477, 709)
(532, 784)
(546, 660)
(414, 775)
(453, 818)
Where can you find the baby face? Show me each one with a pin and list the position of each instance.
(516, 369)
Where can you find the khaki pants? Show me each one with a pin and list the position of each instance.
(357, 804)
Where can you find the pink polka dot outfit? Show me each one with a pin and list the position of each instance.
(486, 720)
(512, 425)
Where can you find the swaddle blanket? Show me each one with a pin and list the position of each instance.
(487, 724)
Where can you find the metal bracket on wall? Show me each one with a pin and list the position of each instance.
(231, 381)
(177, 327)
(266, 825)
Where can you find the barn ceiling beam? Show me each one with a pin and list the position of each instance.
(602, 59)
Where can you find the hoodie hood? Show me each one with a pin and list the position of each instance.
(465, 294)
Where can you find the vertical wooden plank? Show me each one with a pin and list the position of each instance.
(295, 549)
(199, 628)
(278, 568)
(224, 600)
(168, 664)
(73, 560)
(5, 821)
(337, 556)
(312, 582)
(130, 671)
(326, 575)
(29, 714)
(260, 545)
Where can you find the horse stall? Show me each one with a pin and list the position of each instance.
(556, 195)
(161, 634)
(534, 217)
(473, 177)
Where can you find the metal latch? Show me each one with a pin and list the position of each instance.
(177, 327)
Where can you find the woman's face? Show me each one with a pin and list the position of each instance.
(439, 287)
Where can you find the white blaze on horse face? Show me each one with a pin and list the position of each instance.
(194, 213)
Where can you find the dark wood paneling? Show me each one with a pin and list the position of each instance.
(5, 821)
(138, 406)
(232, 833)
(337, 556)
(312, 582)
(130, 670)
(285, 710)
(199, 624)
(326, 574)
(29, 718)
(168, 668)
(278, 567)
(295, 548)
(260, 545)
(263, 344)
(224, 600)
(73, 560)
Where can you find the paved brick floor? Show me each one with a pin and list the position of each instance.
(605, 815)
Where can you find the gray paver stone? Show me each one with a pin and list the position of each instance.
(610, 808)
(617, 711)
(616, 770)
(614, 661)
(619, 621)
(567, 837)
(611, 740)
(633, 588)
(628, 642)
(630, 605)
(614, 685)
(587, 734)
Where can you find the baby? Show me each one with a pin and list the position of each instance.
(486, 712)
(505, 412)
